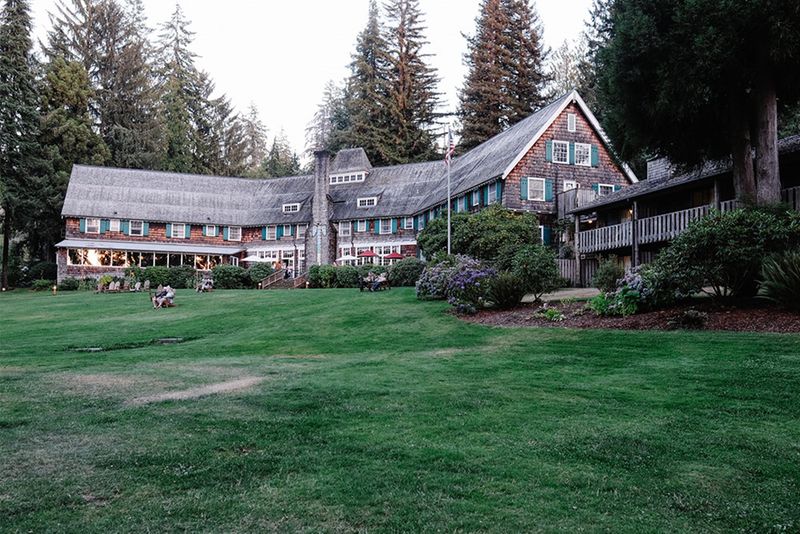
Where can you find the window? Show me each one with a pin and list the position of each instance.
(178, 230)
(348, 178)
(367, 202)
(560, 152)
(492, 194)
(272, 232)
(408, 223)
(386, 226)
(583, 154)
(476, 198)
(344, 229)
(92, 226)
(291, 208)
(361, 226)
(570, 184)
(136, 228)
(211, 230)
(113, 225)
(234, 233)
(535, 188)
(301, 230)
(233, 260)
(605, 189)
(287, 230)
(571, 120)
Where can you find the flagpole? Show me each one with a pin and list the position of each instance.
(449, 203)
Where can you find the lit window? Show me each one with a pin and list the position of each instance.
(291, 208)
(583, 154)
(272, 232)
(211, 230)
(560, 152)
(535, 189)
(408, 223)
(92, 226)
(113, 225)
(136, 228)
(571, 120)
(234, 233)
(178, 230)
(367, 202)
(605, 189)
(570, 184)
(386, 226)
(344, 229)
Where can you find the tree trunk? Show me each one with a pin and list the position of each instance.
(768, 177)
(6, 245)
(744, 181)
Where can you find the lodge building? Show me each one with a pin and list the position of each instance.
(116, 218)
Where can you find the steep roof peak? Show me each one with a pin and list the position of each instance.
(350, 160)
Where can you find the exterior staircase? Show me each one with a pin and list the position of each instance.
(277, 281)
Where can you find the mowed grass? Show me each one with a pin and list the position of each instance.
(378, 412)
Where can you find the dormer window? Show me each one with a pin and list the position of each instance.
(367, 202)
(348, 178)
(571, 122)
(291, 208)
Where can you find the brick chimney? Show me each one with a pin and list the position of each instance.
(320, 233)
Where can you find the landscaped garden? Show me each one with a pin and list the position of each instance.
(339, 410)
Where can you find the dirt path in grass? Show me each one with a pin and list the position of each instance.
(193, 393)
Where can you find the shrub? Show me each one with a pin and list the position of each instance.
(364, 270)
(608, 273)
(435, 278)
(535, 266)
(88, 284)
(230, 277)
(600, 304)
(69, 284)
(322, 276)
(42, 285)
(158, 276)
(43, 270)
(624, 301)
(346, 276)
(780, 280)
(183, 277)
(550, 314)
(506, 291)
(135, 273)
(258, 271)
(105, 280)
(405, 272)
(468, 289)
(725, 251)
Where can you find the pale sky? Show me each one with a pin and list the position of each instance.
(279, 54)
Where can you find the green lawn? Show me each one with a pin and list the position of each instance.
(378, 412)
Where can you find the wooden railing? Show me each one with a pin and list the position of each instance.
(728, 205)
(300, 281)
(574, 198)
(606, 238)
(669, 225)
(271, 279)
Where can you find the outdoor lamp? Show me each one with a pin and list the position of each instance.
(55, 290)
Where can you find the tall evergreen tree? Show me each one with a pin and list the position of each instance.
(565, 67)
(528, 78)
(413, 99)
(281, 160)
(326, 130)
(20, 157)
(595, 38)
(254, 134)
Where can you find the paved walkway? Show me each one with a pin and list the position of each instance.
(569, 292)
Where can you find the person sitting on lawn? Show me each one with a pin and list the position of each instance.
(165, 297)
(207, 284)
(366, 282)
(379, 281)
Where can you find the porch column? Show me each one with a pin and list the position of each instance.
(577, 250)
(635, 235)
(715, 199)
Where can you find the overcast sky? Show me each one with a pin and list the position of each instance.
(279, 54)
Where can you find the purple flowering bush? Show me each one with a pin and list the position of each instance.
(469, 286)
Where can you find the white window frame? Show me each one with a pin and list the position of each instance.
(113, 225)
(541, 234)
(367, 202)
(361, 225)
(301, 230)
(139, 232)
(492, 194)
(178, 235)
(530, 190)
(600, 189)
(234, 261)
(345, 229)
(389, 227)
(408, 223)
(569, 185)
(566, 152)
(211, 230)
(95, 226)
(347, 178)
(475, 198)
(291, 208)
(230, 233)
(572, 122)
(272, 233)
(287, 230)
(587, 151)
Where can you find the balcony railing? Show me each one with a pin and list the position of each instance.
(574, 198)
(606, 238)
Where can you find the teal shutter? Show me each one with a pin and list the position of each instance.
(145, 228)
(548, 190)
(596, 188)
(188, 232)
(291, 230)
(125, 227)
(204, 230)
(224, 233)
(105, 224)
(394, 226)
(547, 235)
(169, 230)
(82, 225)
(498, 191)
(617, 187)
(595, 156)
(279, 231)
(548, 151)
(485, 195)
(572, 153)
(523, 189)
(263, 233)
(377, 226)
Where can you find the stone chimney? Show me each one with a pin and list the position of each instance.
(320, 233)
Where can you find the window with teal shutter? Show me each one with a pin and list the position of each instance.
(595, 156)
(572, 153)
(546, 235)
(188, 232)
(617, 187)
(548, 151)
(596, 188)
(145, 228)
(224, 233)
(292, 229)
(104, 225)
(263, 233)
(499, 191)
(203, 229)
(377, 226)
(485, 195)
(169, 230)
(82, 226)
(124, 227)
(394, 226)
(548, 190)
(523, 189)
(279, 232)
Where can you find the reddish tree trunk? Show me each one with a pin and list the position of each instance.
(768, 177)
(744, 181)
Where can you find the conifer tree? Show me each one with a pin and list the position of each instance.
(412, 100)
(20, 157)
(254, 151)
(281, 160)
(565, 68)
(330, 126)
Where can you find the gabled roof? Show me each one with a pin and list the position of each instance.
(108, 192)
(350, 160)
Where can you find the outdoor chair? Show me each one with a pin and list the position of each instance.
(137, 287)
(147, 285)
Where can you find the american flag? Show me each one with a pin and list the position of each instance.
(451, 148)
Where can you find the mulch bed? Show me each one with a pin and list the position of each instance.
(743, 317)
